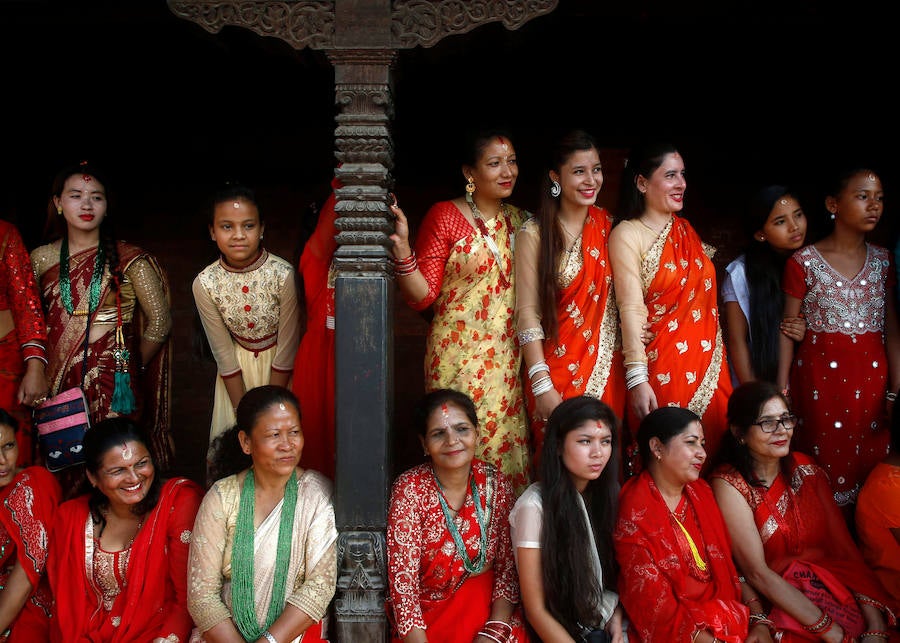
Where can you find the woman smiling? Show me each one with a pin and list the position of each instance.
(118, 554)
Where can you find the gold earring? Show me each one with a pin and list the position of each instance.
(58, 211)
(470, 186)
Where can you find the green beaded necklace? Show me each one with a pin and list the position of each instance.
(243, 602)
(65, 283)
(473, 567)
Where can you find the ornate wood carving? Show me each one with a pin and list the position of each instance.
(310, 23)
(419, 22)
(306, 23)
(362, 574)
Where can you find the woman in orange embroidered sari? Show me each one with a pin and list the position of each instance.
(114, 293)
(789, 535)
(664, 275)
(462, 269)
(566, 316)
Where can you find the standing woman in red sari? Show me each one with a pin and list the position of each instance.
(451, 569)
(107, 308)
(789, 537)
(664, 275)
(28, 500)
(566, 315)
(843, 377)
(313, 380)
(23, 338)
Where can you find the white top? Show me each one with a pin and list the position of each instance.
(526, 519)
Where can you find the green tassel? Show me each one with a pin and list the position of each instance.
(123, 396)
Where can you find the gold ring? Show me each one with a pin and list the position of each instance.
(39, 400)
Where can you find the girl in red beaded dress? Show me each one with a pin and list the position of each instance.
(843, 374)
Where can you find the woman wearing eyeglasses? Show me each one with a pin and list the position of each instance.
(789, 538)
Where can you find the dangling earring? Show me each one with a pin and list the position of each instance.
(555, 189)
(470, 186)
(832, 216)
(58, 211)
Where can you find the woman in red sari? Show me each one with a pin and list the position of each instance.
(664, 275)
(23, 338)
(451, 570)
(107, 308)
(313, 379)
(790, 538)
(566, 315)
(28, 500)
(677, 580)
(119, 553)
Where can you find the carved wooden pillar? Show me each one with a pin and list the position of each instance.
(361, 39)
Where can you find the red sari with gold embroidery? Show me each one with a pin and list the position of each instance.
(587, 358)
(666, 596)
(27, 506)
(153, 591)
(801, 525)
(429, 586)
(686, 357)
(70, 365)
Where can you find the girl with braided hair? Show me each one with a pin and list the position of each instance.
(107, 308)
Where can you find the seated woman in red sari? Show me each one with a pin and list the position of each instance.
(119, 553)
(451, 569)
(28, 500)
(677, 580)
(790, 538)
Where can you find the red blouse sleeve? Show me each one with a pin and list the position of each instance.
(22, 295)
(442, 227)
(404, 552)
(794, 281)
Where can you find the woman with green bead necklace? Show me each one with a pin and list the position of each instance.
(107, 308)
(451, 571)
(263, 561)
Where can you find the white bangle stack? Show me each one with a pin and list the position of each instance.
(541, 385)
(636, 373)
(537, 368)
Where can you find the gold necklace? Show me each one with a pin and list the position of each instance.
(571, 248)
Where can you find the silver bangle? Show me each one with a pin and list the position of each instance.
(537, 368)
(268, 636)
(530, 335)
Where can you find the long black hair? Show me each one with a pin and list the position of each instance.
(571, 589)
(552, 241)
(764, 268)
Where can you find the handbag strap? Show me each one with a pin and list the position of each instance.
(87, 335)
